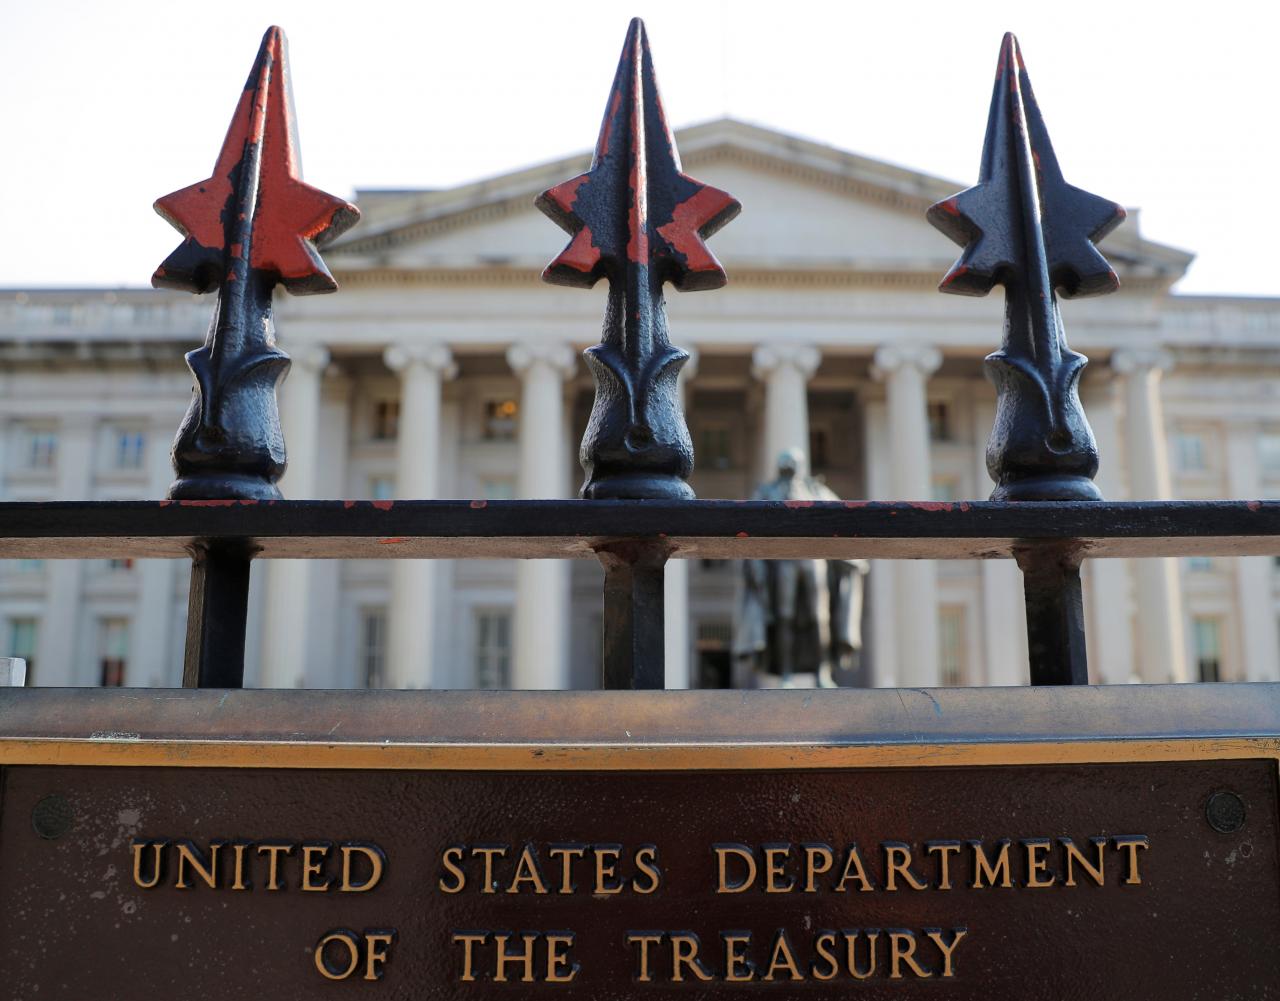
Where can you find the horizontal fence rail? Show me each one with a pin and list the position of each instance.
(569, 529)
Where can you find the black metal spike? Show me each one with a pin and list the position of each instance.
(638, 221)
(1024, 227)
(249, 226)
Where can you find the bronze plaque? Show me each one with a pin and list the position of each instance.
(1036, 881)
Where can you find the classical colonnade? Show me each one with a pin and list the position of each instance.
(898, 430)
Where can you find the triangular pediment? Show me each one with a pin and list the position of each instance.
(806, 207)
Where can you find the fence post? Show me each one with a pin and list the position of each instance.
(639, 222)
(251, 225)
(1024, 227)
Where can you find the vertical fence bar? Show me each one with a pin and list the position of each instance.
(1055, 615)
(633, 633)
(217, 609)
(251, 225)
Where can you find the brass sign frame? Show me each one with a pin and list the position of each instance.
(640, 731)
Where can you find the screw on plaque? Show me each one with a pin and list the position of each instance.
(52, 817)
(1225, 812)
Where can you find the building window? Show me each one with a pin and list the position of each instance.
(939, 421)
(382, 488)
(128, 448)
(386, 420)
(945, 489)
(1208, 639)
(34, 566)
(498, 488)
(1190, 452)
(373, 646)
(713, 634)
(39, 449)
(113, 651)
(500, 419)
(118, 566)
(22, 642)
(715, 447)
(819, 450)
(1269, 453)
(493, 649)
(951, 644)
(1200, 564)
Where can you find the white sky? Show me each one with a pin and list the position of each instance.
(1166, 106)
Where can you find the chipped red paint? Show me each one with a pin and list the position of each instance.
(1253, 505)
(638, 203)
(690, 219)
(948, 206)
(477, 505)
(742, 535)
(606, 128)
(289, 215)
(565, 195)
(853, 504)
(383, 505)
(930, 505)
(229, 502)
(581, 254)
(391, 540)
(797, 503)
(348, 505)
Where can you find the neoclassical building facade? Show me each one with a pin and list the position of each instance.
(445, 368)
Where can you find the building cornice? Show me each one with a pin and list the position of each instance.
(771, 277)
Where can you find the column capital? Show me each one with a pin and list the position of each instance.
(768, 358)
(891, 358)
(428, 354)
(313, 358)
(1130, 361)
(556, 355)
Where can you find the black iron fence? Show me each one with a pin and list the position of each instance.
(636, 220)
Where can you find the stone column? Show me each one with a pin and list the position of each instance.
(1161, 648)
(1255, 575)
(330, 665)
(1107, 587)
(57, 643)
(785, 370)
(285, 622)
(905, 369)
(675, 582)
(881, 589)
(1004, 614)
(423, 367)
(153, 661)
(540, 653)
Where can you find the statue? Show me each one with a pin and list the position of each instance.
(794, 615)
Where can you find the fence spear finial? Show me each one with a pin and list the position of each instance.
(252, 224)
(1024, 227)
(638, 221)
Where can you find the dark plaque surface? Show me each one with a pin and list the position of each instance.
(1174, 866)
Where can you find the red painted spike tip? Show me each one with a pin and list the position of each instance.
(1010, 55)
(289, 217)
(636, 206)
